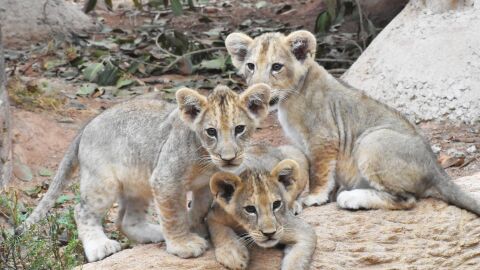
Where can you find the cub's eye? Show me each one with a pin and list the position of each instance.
(211, 132)
(277, 205)
(250, 209)
(239, 129)
(251, 66)
(277, 67)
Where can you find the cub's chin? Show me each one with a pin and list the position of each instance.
(231, 168)
(268, 243)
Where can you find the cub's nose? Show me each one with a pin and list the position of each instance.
(269, 234)
(228, 158)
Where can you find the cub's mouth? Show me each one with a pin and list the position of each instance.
(268, 243)
(231, 166)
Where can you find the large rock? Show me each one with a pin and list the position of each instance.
(26, 22)
(426, 62)
(434, 235)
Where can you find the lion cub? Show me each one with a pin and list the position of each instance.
(265, 157)
(149, 149)
(370, 151)
(255, 205)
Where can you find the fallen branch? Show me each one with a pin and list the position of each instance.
(6, 165)
(179, 58)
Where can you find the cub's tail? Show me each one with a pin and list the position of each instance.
(65, 170)
(453, 194)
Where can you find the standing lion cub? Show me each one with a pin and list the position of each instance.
(369, 151)
(149, 149)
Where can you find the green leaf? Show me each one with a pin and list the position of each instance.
(86, 89)
(332, 8)
(261, 4)
(51, 64)
(33, 192)
(323, 22)
(214, 64)
(44, 172)
(22, 172)
(177, 7)
(63, 199)
(109, 4)
(124, 82)
(137, 4)
(91, 71)
(109, 75)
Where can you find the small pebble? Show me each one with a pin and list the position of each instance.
(472, 149)
(436, 148)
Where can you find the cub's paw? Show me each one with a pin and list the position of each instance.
(96, 250)
(200, 229)
(350, 200)
(232, 256)
(316, 199)
(189, 246)
(297, 207)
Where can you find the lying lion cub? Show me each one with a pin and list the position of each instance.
(149, 149)
(370, 151)
(255, 205)
(266, 157)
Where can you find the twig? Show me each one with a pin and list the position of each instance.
(334, 60)
(162, 49)
(337, 70)
(360, 15)
(467, 162)
(6, 165)
(179, 58)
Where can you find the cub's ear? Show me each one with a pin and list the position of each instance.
(256, 99)
(223, 185)
(302, 44)
(237, 46)
(191, 105)
(286, 172)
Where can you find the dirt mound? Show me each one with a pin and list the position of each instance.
(431, 236)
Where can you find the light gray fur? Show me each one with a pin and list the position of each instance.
(142, 151)
(371, 152)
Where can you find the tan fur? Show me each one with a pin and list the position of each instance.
(371, 153)
(149, 151)
(233, 226)
(262, 156)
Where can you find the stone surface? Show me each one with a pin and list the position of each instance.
(26, 22)
(433, 235)
(426, 62)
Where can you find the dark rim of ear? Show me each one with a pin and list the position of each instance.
(273, 101)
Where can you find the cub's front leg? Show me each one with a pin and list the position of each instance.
(301, 242)
(229, 248)
(170, 197)
(323, 161)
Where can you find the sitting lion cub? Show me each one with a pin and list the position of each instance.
(255, 204)
(370, 151)
(149, 149)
